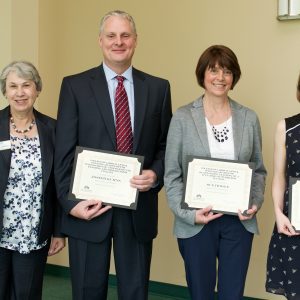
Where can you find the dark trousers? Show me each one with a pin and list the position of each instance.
(90, 262)
(226, 241)
(21, 275)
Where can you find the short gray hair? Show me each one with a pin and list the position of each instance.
(118, 13)
(23, 69)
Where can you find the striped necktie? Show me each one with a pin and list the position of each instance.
(123, 123)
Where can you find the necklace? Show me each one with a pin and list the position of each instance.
(220, 135)
(22, 131)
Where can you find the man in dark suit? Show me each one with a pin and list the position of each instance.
(87, 117)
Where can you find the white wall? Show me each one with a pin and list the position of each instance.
(61, 37)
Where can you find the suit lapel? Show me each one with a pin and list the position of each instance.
(238, 123)
(46, 145)
(140, 105)
(102, 97)
(198, 116)
(4, 136)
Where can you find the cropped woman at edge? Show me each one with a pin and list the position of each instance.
(283, 265)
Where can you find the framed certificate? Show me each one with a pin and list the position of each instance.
(105, 176)
(223, 184)
(294, 202)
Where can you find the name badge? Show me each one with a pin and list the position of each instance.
(4, 145)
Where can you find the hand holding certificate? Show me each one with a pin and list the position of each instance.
(294, 202)
(223, 184)
(105, 176)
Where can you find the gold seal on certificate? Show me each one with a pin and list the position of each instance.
(294, 202)
(105, 176)
(223, 184)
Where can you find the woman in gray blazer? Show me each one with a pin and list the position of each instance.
(214, 245)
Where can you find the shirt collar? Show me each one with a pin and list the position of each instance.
(110, 74)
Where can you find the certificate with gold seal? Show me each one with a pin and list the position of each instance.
(105, 176)
(294, 202)
(223, 184)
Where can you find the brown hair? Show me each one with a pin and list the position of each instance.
(221, 55)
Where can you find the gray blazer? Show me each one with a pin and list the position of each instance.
(188, 136)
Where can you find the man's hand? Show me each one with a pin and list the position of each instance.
(145, 181)
(89, 209)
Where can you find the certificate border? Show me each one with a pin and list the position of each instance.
(292, 181)
(80, 149)
(190, 158)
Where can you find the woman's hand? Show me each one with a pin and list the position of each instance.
(205, 215)
(249, 213)
(57, 244)
(284, 225)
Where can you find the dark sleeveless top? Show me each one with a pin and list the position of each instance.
(283, 264)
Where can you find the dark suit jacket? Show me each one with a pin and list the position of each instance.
(85, 118)
(50, 215)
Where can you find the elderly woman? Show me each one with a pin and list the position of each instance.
(29, 212)
(283, 274)
(214, 126)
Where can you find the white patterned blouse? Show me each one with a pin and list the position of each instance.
(22, 198)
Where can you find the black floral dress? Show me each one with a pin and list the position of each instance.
(283, 265)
